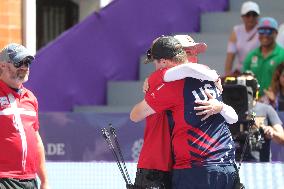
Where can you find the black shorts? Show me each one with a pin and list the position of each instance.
(10, 183)
(150, 178)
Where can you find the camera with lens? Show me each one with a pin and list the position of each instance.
(240, 92)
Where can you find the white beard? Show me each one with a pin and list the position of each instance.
(18, 76)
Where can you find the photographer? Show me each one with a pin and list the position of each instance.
(266, 120)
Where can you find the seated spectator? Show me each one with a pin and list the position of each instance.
(243, 38)
(275, 94)
(263, 60)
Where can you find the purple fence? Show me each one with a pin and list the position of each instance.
(74, 68)
(78, 136)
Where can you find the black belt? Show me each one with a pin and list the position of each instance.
(141, 170)
(157, 174)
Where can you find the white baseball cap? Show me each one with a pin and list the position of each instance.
(187, 42)
(249, 6)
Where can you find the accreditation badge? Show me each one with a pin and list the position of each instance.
(254, 59)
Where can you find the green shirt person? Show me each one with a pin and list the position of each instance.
(263, 67)
(263, 60)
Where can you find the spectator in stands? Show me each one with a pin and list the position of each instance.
(275, 94)
(263, 60)
(280, 36)
(243, 38)
(22, 155)
(267, 120)
(189, 168)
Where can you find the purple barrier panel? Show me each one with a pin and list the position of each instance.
(78, 136)
(212, 6)
(276, 149)
(107, 45)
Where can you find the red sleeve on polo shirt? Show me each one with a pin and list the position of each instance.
(34, 107)
(36, 125)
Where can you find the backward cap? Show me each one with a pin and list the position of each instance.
(166, 47)
(15, 53)
(187, 42)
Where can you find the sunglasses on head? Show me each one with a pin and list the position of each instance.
(265, 31)
(26, 62)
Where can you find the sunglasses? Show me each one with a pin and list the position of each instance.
(149, 54)
(265, 31)
(251, 14)
(26, 62)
